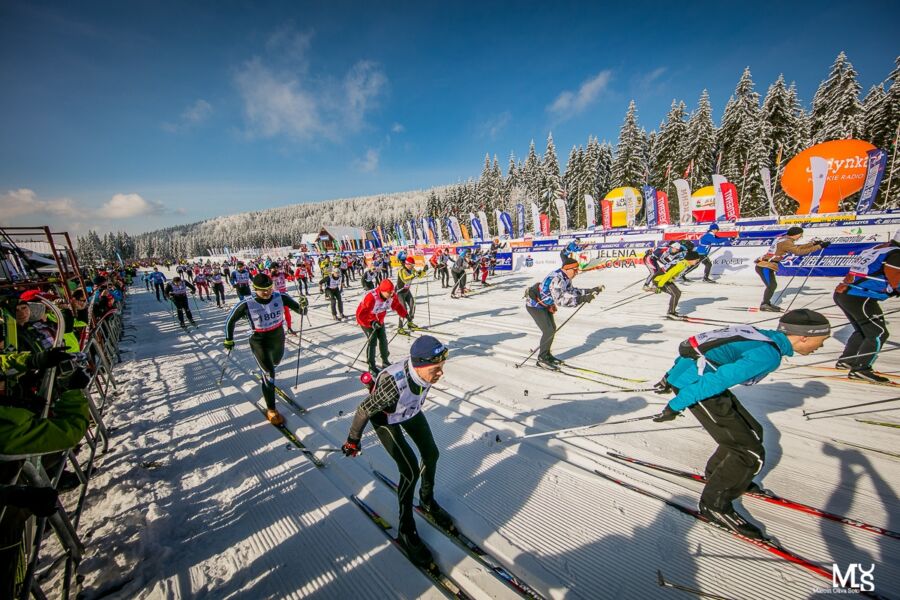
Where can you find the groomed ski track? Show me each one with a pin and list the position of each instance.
(201, 497)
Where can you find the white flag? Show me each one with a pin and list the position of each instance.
(563, 214)
(819, 168)
(630, 207)
(683, 189)
(717, 181)
(535, 219)
(484, 225)
(767, 186)
(590, 211)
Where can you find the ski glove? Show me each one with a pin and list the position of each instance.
(598, 289)
(823, 245)
(376, 325)
(666, 415)
(229, 344)
(351, 447)
(49, 359)
(663, 387)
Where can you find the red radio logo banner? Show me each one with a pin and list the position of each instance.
(730, 200)
(545, 224)
(662, 208)
(606, 213)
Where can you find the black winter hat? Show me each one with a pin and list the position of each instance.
(794, 230)
(569, 261)
(803, 321)
(691, 255)
(261, 281)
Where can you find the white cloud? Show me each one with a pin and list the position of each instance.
(196, 113)
(369, 163)
(495, 125)
(24, 202)
(282, 98)
(570, 103)
(126, 206)
(397, 128)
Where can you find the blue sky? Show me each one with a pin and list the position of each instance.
(139, 115)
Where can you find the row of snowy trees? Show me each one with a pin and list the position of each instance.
(752, 134)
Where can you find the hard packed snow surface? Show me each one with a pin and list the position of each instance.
(201, 497)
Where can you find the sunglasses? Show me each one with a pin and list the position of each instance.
(439, 356)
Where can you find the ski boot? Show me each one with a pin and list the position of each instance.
(709, 280)
(547, 363)
(438, 514)
(675, 316)
(274, 417)
(556, 361)
(867, 375)
(648, 288)
(842, 365)
(415, 549)
(769, 307)
(732, 520)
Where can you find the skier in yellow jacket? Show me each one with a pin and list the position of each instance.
(666, 281)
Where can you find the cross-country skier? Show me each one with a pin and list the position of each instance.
(370, 314)
(301, 275)
(546, 296)
(459, 275)
(334, 287)
(666, 281)
(394, 406)
(702, 247)
(265, 311)
(218, 286)
(571, 250)
(240, 281)
(280, 283)
(159, 283)
(874, 276)
(176, 291)
(405, 275)
(659, 259)
(710, 364)
(767, 264)
(202, 285)
(369, 278)
(443, 268)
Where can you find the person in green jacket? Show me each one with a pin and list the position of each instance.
(666, 281)
(709, 364)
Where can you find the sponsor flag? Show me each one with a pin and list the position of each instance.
(717, 181)
(563, 214)
(465, 232)
(718, 162)
(875, 163)
(477, 231)
(376, 238)
(506, 220)
(590, 211)
(545, 224)
(730, 202)
(650, 204)
(606, 213)
(453, 237)
(630, 206)
(767, 187)
(415, 234)
(683, 190)
(818, 166)
(662, 208)
(535, 219)
(435, 230)
(520, 220)
(687, 172)
(485, 226)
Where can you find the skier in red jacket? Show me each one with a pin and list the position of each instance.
(370, 316)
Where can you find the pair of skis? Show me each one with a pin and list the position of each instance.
(591, 375)
(767, 544)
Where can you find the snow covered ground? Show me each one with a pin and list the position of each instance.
(200, 497)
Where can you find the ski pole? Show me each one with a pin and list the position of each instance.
(580, 306)
(817, 412)
(700, 594)
(196, 305)
(631, 285)
(581, 428)
(366, 345)
(299, 346)
(428, 294)
(797, 294)
(224, 366)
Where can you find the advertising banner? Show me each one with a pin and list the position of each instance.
(875, 163)
(535, 219)
(766, 177)
(590, 211)
(624, 200)
(606, 214)
(821, 176)
(520, 220)
(485, 226)
(717, 182)
(650, 204)
(683, 191)
(630, 207)
(563, 213)
(506, 221)
(544, 220)
(662, 208)
(730, 201)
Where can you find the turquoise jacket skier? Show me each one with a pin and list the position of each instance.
(744, 361)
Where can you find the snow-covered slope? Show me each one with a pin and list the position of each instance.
(201, 497)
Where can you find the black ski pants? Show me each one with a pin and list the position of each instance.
(547, 324)
(219, 291)
(243, 291)
(376, 337)
(445, 276)
(181, 305)
(869, 330)
(337, 302)
(740, 454)
(147, 284)
(395, 444)
(674, 295)
(409, 302)
(345, 277)
(768, 278)
(159, 288)
(268, 349)
(367, 284)
(707, 267)
(459, 282)
(302, 286)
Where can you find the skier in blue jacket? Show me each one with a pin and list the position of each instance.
(711, 363)
(702, 247)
